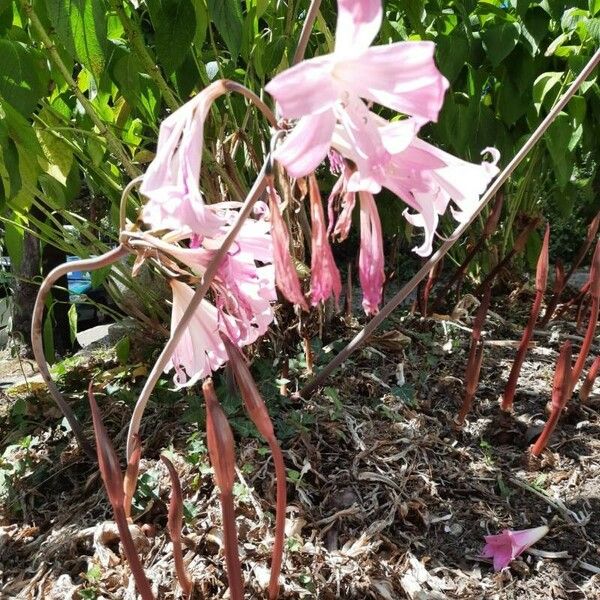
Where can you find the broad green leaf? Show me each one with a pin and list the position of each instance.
(499, 41)
(174, 23)
(558, 138)
(273, 53)
(58, 154)
(451, 53)
(534, 30)
(201, 23)
(543, 85)
(13, 240)
(23, 76)
(227, 18)
(81, 27)
(122, 349)
(511, 104)
(594, 7)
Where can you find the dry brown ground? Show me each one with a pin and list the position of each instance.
(387, 499)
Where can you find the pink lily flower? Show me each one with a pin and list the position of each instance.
(286, 276)
(171, 182)
(371, 260)
(200, 350)
(327, 89)
(325, 278)
(423, 176)
(506, 546)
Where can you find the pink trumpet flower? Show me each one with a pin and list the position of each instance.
(506, 546)
(371, 261)
(171, 182)
(325, 278)
(327, 89)
(200, 350)
(423, 176)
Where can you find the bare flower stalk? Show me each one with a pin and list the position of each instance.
(590, 333)
(257, 410)
(219, 439)
(588, 384)
(475, 358)
(541, 279)
(175, 523)
(560, 395)
(387, 310)
(562, 283)
(113, 483)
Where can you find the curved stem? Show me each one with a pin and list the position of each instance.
(123, 203)
(233, 86)
(136, 419)
(385, 312)
(88, 264)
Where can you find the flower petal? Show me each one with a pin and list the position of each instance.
(402, 76)
(370, 262)
(306, 88)
(306, 146)
(358, 23)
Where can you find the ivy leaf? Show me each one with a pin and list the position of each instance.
(227, 17)
(174, 23)
(500, 40)
(81, 26)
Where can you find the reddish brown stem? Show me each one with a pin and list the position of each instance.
(219, 438)
(475, 358)
(257, 410)
(591, 329)
(589, 240)
(230, 537)
(131, 475)
(175, 523)
(518, 247)
(588, 384)
(560, 396)
(113, 483)
(489, 228)
(541, 279)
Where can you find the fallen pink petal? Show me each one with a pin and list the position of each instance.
(508, 545)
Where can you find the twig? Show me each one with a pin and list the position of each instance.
(385, 312)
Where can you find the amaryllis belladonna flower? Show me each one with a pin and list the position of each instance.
(506, 546)
(328, 89)
(370, 261)
(171, 182)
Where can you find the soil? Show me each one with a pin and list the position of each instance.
(387, 497)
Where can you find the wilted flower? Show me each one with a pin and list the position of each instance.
(506, 546)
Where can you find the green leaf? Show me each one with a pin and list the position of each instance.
(72, 314)
(535, 29)
(272, 55)
(174, 23)
(451, 53)
(542, 87)
(558, 138)
(13, 240)
(511, 104)
(23, 76)
(122, 349)
(499, 40)
(227, 18)
(81, 26)
(57, 152)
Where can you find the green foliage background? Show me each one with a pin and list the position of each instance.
(84, 85)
